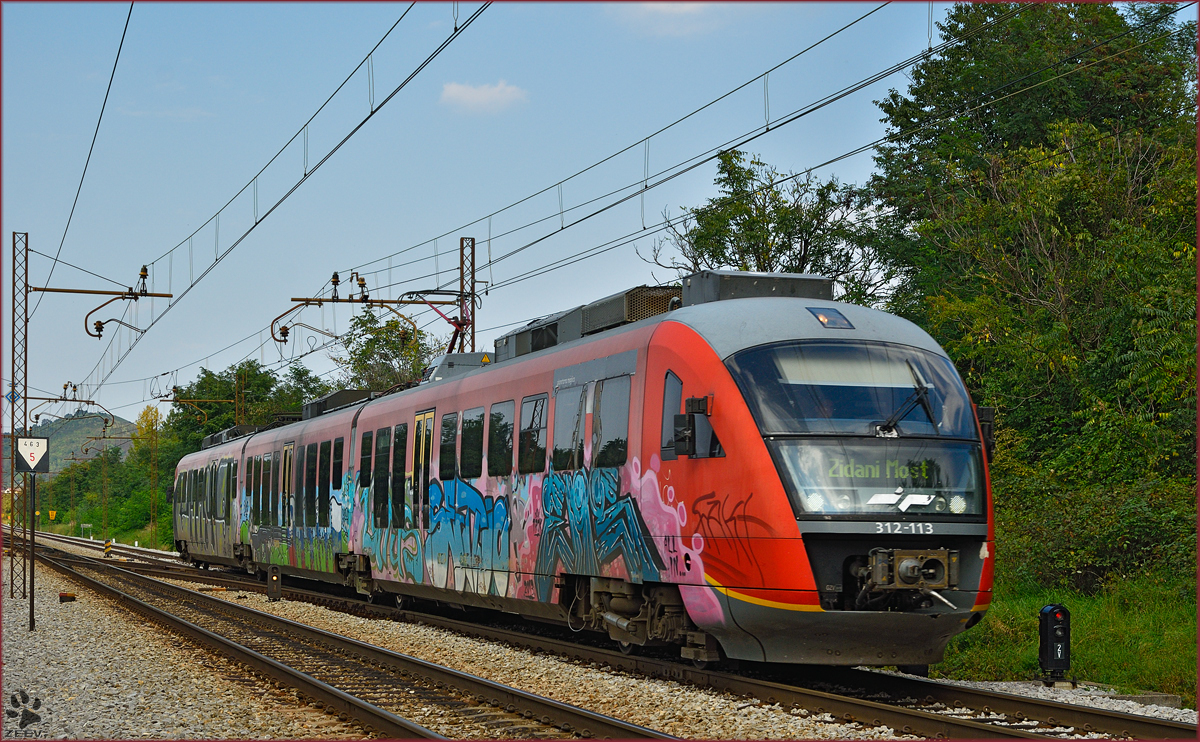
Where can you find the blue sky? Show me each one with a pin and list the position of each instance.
(206, 93)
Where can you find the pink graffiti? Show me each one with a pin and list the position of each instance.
(685, 565)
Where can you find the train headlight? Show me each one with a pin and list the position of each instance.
(958, 505)
(843, 502)
(814, 502)
(939, 504)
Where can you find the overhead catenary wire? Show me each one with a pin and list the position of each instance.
(604, 247)
(541, 269)
(222, 254)
(643, 183)
(87, 161)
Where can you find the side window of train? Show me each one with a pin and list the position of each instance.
(500, 439)
(610, 422)
(231, 489)
(339, 469)
(568, 428)
(531, 448)
(379, 490)
(264, 489)
(400, 491)
(323, 484)
(251, 491)
(310, 485)
(275, 517)
(672, 406)
(470, 461)
(298, 488)
(364, 459)
(446, 458)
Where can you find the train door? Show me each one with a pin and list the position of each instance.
(422, 450)
(286, 505)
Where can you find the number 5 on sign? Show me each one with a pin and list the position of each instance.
(32, 455)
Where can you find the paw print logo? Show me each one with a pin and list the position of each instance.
(23, 710)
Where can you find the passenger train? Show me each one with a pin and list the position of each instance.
(740, 466)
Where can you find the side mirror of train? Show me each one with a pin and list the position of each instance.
(694, 435)
(987, 425)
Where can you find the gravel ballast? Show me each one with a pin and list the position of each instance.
(670, 707)
(101, 672)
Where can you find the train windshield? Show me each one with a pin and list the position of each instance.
(892, 478)
(847, 387)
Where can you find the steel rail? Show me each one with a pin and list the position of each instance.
(545, 710)
(846, 709)
(1085, 718)
(365, 713)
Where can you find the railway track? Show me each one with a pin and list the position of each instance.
(922, 707)
(372, 686)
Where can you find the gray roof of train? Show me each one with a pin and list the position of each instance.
(737, 324)
(732, 325)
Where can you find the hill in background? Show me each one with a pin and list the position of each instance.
(69, 435)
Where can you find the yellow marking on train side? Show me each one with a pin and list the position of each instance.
(763, 601)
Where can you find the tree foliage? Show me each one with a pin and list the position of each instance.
(381, 353)
(767, 222)
(1047, 240)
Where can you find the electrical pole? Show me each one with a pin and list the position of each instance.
(18, 409)
(466, 289)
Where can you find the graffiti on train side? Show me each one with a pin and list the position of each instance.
(665, 513)
(591, 528)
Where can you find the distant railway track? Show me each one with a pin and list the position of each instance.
(370, 685)
(905, 704)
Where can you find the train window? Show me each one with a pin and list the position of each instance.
(531, 448)
(400, 496)
(298, 489)
(364, 460)
(323, 485)
(273, 511)
(264, 490)
(446, 451)
(214, 482)
(500, 439)
(568, 428)
(339, 470)
(470, 461)
(610, 422)
(219, 490)
(379, 490)
(422, 450)
(251, 490)
(231, 488)
(672, 406)
(310, 485)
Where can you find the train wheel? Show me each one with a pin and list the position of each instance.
(381, 598)
(919, 670)
(627, 648)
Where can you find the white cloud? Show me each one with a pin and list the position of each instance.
(670, 19)
(482, 98)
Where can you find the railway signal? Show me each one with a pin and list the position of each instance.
(1054, 646)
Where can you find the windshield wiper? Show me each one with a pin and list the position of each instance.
(920, 396)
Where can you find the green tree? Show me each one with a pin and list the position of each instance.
(1006, 86)
(1047, 241)
(768, 222)
(381, 353)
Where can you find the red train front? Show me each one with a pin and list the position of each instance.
(752, 470)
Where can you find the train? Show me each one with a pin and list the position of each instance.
(738, 466)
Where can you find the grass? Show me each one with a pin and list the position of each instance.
(1134, 634)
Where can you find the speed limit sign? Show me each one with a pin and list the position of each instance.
(32, 455)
